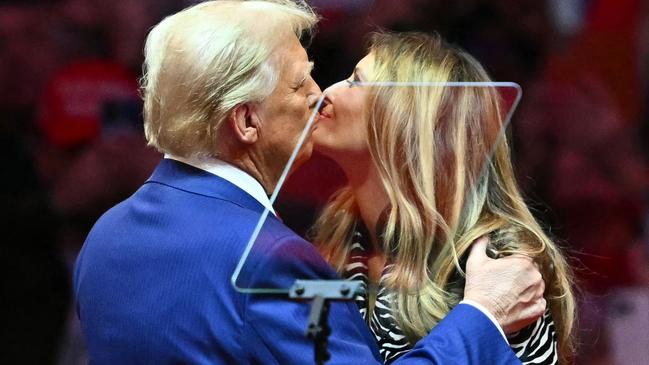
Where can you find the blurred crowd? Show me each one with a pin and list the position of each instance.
(72, 142)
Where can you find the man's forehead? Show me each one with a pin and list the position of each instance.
(292, 55)
(298, 69)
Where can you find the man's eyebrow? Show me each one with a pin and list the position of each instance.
(307, 71)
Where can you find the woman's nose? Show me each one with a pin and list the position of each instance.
(332, 90)
(328, 92)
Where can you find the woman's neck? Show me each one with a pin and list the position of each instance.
(370, 196)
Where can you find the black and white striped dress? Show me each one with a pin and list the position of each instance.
(535, 344)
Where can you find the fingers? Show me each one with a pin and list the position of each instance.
(523, 263)
(478, 253)
(531, 314)
(525, 316)
(537, 310)
(520, 256)
(531, 277)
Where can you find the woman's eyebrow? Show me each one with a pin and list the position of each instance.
(358, 74)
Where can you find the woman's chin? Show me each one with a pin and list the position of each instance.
(319, 138)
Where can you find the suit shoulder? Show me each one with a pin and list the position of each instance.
(279, 256)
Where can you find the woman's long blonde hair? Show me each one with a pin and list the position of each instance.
(431, 147)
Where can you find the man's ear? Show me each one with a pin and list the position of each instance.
(244, 122)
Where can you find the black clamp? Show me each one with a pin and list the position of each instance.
(322, 292)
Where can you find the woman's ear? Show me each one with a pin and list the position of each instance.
(245, 123)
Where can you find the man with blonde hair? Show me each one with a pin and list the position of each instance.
(227, 92)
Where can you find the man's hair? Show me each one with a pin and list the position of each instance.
(203, 61)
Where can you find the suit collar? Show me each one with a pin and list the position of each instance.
(230, 173)
(186, 177)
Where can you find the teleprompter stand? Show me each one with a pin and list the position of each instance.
(322, 292)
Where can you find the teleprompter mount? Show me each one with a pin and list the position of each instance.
(322, 292)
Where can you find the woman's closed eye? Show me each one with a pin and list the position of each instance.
(355, 79)
(353, 82)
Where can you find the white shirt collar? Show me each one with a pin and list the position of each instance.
(232, 174)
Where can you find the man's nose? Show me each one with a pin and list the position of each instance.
(314, 95)
(313, 100)
(315, 87)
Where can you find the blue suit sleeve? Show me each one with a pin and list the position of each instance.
(464, 336)
(275, 326)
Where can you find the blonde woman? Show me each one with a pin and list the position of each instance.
(420, 192)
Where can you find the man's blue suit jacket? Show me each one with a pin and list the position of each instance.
(152, 285)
